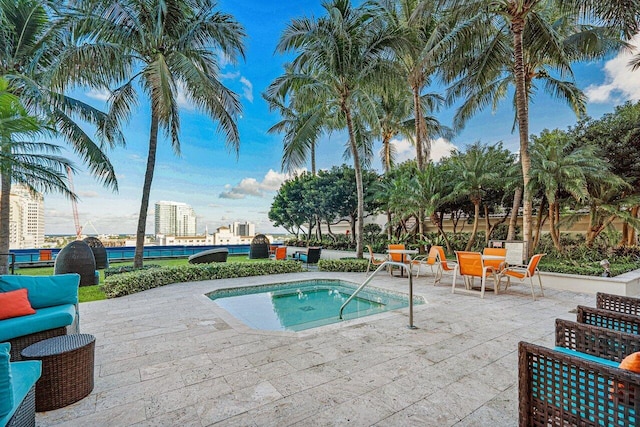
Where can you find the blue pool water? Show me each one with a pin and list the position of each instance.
(303, 305)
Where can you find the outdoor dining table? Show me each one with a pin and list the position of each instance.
(406, 255)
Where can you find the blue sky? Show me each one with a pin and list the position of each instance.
(223, 188)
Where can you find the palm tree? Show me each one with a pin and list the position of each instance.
(344, 50)
(560, 165)
(421, 37)
(476, 170)
(514, 42)
(40, 58)
(166, 46)
(33, 164)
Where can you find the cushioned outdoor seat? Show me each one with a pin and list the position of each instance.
(17, 390)
(52, 317)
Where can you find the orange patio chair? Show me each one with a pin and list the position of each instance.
(497, 264)
(398, 257)
(443, 265)
(523, 273)
(280, 253)
(470, 266)
(372, 260)
(430, 260)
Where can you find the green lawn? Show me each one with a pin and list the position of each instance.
(94, 293)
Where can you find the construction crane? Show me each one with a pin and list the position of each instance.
(74, 206)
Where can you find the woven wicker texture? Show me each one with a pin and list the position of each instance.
(20, 343)
(259, 247)
(77, 257)
(556, 389)
(99, 252)
(609, 319)
(596, 341)
(628, 305)
(211, 255)
(25, 415)
(67, 369)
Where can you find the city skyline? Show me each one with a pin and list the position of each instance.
(222, 188)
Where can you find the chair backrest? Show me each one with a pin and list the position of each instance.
(533, 263)
(370, 249)
(470, 263)
(432, 258)
(495, 263)
(281, 252)
(442, 257)
(313, 255)
(395, 256)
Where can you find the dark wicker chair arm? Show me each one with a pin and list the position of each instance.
(557, 389)
(609, 319)
(627, 305)
(596, 341)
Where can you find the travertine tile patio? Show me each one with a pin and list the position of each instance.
(172, 357)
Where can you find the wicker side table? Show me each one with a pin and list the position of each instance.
(67, 369)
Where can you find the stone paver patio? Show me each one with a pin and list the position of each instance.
(172, 357)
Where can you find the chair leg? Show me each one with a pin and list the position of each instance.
(540, 281)
(533, 294)
(484, 282)
(453, 285)
(438, 276)
(368, 267)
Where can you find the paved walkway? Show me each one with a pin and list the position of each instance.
(172, 357)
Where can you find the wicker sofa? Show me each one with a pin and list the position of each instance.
(579, 382)
(609, 319)
(17, 390)
(620, 304)
(55, 300)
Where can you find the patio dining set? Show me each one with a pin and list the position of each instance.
(492, 263)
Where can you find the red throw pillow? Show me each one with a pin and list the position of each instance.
(631, 362)
(14, 304)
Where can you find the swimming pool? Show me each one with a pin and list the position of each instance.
(297, 306)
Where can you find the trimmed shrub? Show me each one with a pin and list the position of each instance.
(126, 269)
(129, 283)
(350, 265)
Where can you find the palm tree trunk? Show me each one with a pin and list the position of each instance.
(417, 111)
(513, 221)
(522, 110)
(553, 230)
(5, 204)
(313, 158)
(539, 224)
(146, 190)
(359, 188)
(476, 213)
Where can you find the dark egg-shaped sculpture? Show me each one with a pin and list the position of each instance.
(259, 247)
(77, 257)
(99, 252)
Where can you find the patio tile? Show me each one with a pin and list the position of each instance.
(170, 356)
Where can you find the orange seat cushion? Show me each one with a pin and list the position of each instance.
(15, 304)
(631, 362)
(515, 274)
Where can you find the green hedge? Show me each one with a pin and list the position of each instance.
(127, 269)
(129, 283)
(351, 265)
(593, 269)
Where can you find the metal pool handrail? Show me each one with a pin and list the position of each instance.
(366, 282)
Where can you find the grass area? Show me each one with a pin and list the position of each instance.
(95, 293)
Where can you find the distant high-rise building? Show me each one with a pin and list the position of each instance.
(26, 218)
(175, 219)
(243, 229)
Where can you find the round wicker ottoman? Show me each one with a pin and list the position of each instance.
(67, 369)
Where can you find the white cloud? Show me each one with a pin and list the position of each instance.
(88, 194)
(621, 83)
(406, 151)
(247, 88)
(99, 94)
(181, 97)
(252, 187)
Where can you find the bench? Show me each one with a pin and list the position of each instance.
(55, 301)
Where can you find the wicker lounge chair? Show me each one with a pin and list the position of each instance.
(259, 247)
(211, 255)
(559, 389)
(609, 319)
(620, 304)
(310, 256)
(595, 341)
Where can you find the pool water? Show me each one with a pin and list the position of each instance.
(303, 305)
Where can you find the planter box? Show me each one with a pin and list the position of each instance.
(627, 284)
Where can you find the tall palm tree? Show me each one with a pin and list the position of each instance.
(421, 37)
(39, 56)
(165, 45)
(344, 51)
(514, 42)
(33, 164)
